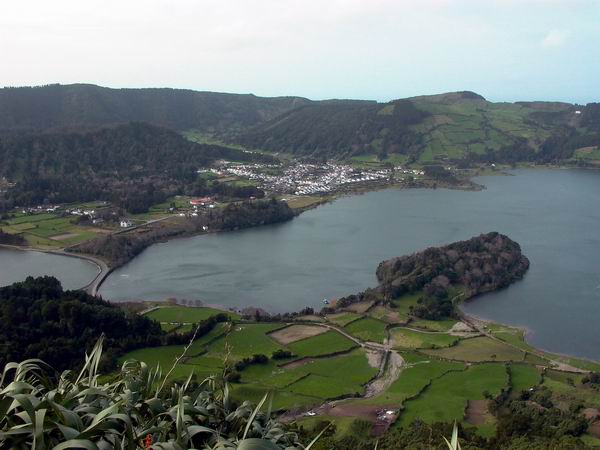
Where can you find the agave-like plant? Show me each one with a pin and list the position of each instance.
(453, 443)
(133, 410)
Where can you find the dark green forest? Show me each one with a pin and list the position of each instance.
(340, 128)
(85, 105)
(134, 166)
(41, 320)
(481, 264)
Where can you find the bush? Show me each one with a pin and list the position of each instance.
(136, 408)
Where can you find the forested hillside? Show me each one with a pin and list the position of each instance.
(481, 264)
(40, 320)
(133, 165)
(453, 127)
(340, 129)
(86, 105)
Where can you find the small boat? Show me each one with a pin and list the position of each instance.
(325, 301)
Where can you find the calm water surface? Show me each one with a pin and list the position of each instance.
(334, 250)
(16, 265)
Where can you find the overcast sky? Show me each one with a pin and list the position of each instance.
(505, 50)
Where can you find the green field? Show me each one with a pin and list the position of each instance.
(322, 344)
(446, 397)
(246, 340)
(462, 126)
(434, 384)
(48, 230)
(433, 325)
(184, 314)
(404, 338)
(367, 329)
(523, 377)
(413, 380)
(343, 319)
(479, 349)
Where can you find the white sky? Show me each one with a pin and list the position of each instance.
(375, 49)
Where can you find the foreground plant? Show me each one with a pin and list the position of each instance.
(453, 444)
(134, 410)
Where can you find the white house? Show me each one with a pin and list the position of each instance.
(126, 223)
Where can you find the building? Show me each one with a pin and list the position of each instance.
(126, 223)
(200, 201)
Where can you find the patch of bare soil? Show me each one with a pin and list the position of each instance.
(374, 358)
(381, 418)
(385, 380)
(592, 414)
(462, 329)
(64, 236)
(594, 429)
(360, 307)
(295, 333)
(385, 314)
(477, 411)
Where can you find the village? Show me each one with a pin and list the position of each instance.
(309, 179)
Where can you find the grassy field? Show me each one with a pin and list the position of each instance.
(303, 201)
(523, 377)
(413, 380)
(47, 230)
(367, 329)
(184, 314)
(446, 397)
(323, 344)
(479, 349)
(435, 384)
(246, 340)
(471, 126)
(403, 338)
(343, 319)
(433, 325)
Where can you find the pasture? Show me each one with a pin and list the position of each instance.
(403, 338)
(185, 314)
(446, 397)
(323, 344)
(479, 349)
(367, 329)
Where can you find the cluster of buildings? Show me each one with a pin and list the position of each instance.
(40, 209)
(304, 179)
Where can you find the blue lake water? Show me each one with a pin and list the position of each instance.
(334, 250)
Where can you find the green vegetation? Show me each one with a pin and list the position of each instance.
(413, 380)
(523, 377)
(445, 399)
(367, 329)
(322, 344)
(48, 230)
(479, 349)
(403, 338)
(41, 414)
(342, 319)
(183, 314)
(247, 340)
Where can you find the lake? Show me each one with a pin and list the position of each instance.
(16, 265)
(333, 251)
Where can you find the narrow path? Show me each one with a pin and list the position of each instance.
(393, 367)
(389, 371)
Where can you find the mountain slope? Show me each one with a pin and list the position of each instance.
(454, 126)
(338, 128)
(134, 165)
(85, 105)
